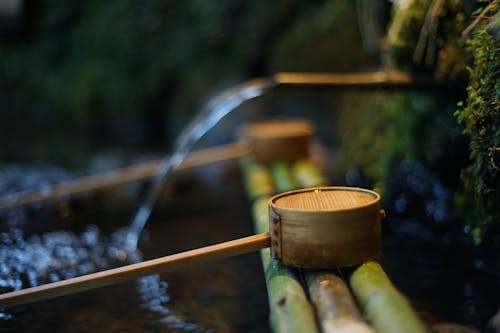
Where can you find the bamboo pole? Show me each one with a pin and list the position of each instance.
(377, 78)
(290, 310)
(335, 307)
(258, 180)
(384, 306)
(282, 177)
(307, 174)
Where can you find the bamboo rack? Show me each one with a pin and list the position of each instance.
(296, 297)
(290, 308)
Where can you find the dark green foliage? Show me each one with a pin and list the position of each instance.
(134, 72)
(409, 127)
(427, 37)
(480, 116)
(403, 126)
(404, 29)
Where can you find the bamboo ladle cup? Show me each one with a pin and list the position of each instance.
(322, 227)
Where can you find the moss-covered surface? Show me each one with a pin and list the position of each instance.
(392, 127)
(479, 114)
(419, 135)
(425, 35)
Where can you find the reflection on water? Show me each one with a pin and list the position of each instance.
(60, 255)
(32, 260)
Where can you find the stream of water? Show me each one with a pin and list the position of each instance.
(216, 109)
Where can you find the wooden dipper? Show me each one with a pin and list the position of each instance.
(278, 139)
(325, 227)
(315, 228)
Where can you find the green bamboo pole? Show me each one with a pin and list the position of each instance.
(384, 306)
(258, 180)
(335, 307)
(307, 174)
(290, 310)
(282, 177)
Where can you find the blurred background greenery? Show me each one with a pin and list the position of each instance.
(132, 73)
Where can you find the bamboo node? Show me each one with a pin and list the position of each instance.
(281, 301)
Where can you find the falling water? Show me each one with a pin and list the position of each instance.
(216, 109)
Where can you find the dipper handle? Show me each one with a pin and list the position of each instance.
(119, 176)
(134, 271)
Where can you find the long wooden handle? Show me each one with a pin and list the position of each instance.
(134, 271)
(120, 176)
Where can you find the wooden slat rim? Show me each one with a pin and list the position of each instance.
(376, 199)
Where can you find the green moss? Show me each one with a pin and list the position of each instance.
(480, 116)
(424, 36)
(398, 126)
(404, 28)
(411, 126)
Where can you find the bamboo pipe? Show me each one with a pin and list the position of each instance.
(376, 78)
(119, 176)
(290, 309)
